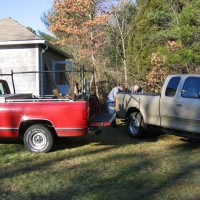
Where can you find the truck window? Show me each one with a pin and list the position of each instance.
(1, 88)
(4, 88)
(172, 86)
(191, 87)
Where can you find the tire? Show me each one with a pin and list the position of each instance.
(135, 125)
(38, 139)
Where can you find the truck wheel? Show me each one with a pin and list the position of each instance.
(135, 125)
(38, 139)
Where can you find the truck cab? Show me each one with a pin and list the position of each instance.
(180, 103)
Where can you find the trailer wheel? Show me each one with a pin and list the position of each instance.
(135, 125)
(38, 139)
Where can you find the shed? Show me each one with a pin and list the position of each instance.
(28, 56)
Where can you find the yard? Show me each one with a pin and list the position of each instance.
(109, 166)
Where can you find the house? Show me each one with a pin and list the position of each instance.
(27, 57)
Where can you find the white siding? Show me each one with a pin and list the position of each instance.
(20, 59)
(24, 58)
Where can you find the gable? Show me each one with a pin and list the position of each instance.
(11, 30)
(13, 33)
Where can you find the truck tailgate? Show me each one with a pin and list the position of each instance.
(101, 119)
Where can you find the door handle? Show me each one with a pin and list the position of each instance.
(179, 104)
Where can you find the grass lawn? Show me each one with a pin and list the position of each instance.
(109, 166)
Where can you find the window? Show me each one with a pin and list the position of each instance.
(4, 88)
(1, 89)
(172, 86)
(191, 87)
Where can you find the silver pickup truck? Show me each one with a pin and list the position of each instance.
(176, 110)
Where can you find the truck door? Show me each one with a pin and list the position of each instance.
(167, 102)
(187, 105)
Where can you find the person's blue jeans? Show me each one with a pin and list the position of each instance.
(111, 110)
(111, 106)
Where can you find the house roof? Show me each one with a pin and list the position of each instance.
(11, 30)
(13, 33)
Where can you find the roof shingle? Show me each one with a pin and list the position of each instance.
(11, 30)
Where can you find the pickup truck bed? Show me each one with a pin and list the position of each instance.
(146, 103)
(67, 117)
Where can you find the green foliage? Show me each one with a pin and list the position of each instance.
(118, 29)
(149, 26)
(30, 29)
(159, 18)
(157, 24)
(47, 37)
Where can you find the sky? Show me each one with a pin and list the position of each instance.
(26, 12)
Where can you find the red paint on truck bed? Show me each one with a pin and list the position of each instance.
(67, 117)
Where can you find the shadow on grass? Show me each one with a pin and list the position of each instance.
(26, 168)
(13, 145)
(11, 141)
(137, 179)
(109, 136)
(187, 145)
(140, 178)
(109, 172)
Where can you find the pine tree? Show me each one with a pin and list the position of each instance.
(169, 29)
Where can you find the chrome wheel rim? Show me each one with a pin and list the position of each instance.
(133, 126)
(37, 140)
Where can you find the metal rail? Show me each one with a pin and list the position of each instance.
(82, 72)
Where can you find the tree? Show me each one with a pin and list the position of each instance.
(79, 24)
(169, 30)
(30, 29)
(121, 14)
(93, 34)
